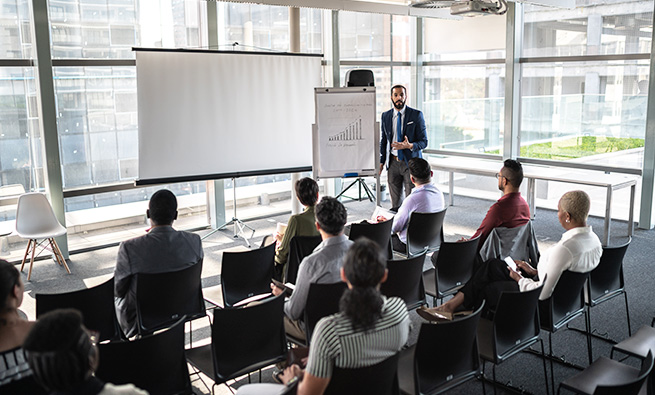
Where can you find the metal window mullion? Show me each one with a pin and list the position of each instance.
(646, 212)
(511, 138)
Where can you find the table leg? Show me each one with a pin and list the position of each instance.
(532, 196)
(631, 224)
(608, 216)
(451, 187)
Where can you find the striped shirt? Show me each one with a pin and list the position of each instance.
(13, 366)
(335, 342)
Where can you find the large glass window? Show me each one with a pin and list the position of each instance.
(364, 36)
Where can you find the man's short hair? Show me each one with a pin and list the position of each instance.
(398, 86)
(307, 191)
(59, 350)
(331, 215)
(420, 169)
(163, 207)
(513, 172)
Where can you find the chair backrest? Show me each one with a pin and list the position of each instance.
(248, 338)
(607, 277)
(519, 242)
(446, 354)
(405, 280)
(379, 379)
(155, 363)
(515, 322)
(162, 298)
(632, 387)
(424, 230)
(454, 265)
(379, 233)
(34, 215)
(566, 302)
(322, 300)
(247, 273)
(299, 248)
(96, 305)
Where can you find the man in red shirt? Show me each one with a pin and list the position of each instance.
(511, 210)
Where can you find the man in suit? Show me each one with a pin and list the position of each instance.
(403, 138)
(162, 249)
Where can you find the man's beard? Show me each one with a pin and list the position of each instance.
(399, 104)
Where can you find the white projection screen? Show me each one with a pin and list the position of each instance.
(212, 114)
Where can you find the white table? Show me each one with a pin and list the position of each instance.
(611, 182)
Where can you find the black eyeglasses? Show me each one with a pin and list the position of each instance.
(498, 175)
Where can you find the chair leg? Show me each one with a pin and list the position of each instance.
(58, 254)
(29, 272)
(588, 329)
(27, 251)
(552, 372)
(627, 313)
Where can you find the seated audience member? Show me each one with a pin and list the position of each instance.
(13, 328)
(368, 329)
(578, 250)
(162, 249)
(511, 210)
(322, 266)
(425, 198)
(303, 224)
(63, 357)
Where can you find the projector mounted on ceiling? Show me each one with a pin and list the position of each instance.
(465, 7)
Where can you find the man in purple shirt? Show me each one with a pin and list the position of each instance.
(425, 198)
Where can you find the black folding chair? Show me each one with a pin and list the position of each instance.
(608, 377)
(606, 281)
(445, 356)
(96, 305)
(246, 273)
(405, 280)
(453, 268)
(299, 248)
(514, 328)
(322, 300)
(155, 363)
(564, 305)
(379, 379)
(243, 340)
(424, 230)
(380, 233)
(163, 298)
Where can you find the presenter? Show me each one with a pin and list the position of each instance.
(403, 137)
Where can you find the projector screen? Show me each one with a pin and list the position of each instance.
(211, 114)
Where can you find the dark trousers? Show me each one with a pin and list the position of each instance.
(397, 178)
(487, 283)
(398, 245)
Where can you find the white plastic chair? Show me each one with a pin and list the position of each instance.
(36, 221)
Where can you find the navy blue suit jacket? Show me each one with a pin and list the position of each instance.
(413, 128)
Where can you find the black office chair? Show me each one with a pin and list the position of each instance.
(380, 233)
(299, 248)
(608, 377)
(453, 268)
(379, 379)
(162, 298)
(445, 356)
(564, 305)
(424, 230)
(606, 281)
(246, 273)
(514, 328)
(405, 280)
(322, 300)
(96, 305)
(243, 340)
(155, 363)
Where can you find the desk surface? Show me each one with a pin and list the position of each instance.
(560, 174)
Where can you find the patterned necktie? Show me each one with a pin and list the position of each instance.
(399, 132)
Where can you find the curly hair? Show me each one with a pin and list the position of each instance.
(307, 191)
(59, 350)
(9, 278)
(364, 268)
(331, 215)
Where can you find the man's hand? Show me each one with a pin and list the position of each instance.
(525, 266)
(516, 276)
(291, 372)
(275, 290)
(381, 167)
(405, 144)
